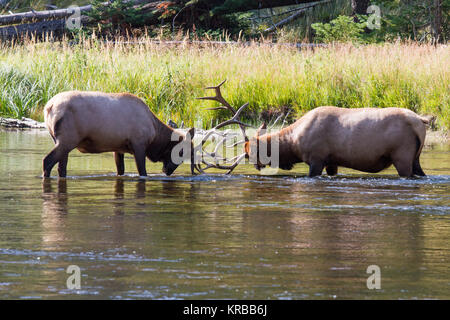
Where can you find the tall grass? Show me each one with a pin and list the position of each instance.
(169, 79)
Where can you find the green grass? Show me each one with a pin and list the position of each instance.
(169, 79)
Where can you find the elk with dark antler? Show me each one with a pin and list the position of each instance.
(219, 162)
(364, 139)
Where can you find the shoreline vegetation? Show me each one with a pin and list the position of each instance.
(274, 79)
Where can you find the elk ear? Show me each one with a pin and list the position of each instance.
(261, 129)
(191, 133)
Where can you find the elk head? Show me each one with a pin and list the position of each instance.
(180, 149)
(251, 148)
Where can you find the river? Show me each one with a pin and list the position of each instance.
(244, 236)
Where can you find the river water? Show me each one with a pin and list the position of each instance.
(245, 236)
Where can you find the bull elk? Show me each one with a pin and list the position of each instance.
(364, 139)
(95, 122)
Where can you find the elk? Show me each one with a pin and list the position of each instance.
(95, 122)
(364, 139)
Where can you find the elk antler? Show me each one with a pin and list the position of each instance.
(225, 136)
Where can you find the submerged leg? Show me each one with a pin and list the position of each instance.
(120, 163)
(403, 161)
(139, 157)
(62, 165)
(404, 168)
(417, 169)
(315, 169)
(56, 155)
(332, 170)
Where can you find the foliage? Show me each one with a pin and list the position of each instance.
(300, 30)
(341, 29)
(119, 17)
(404, 19)
(412, 19)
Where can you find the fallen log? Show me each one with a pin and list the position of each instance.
(38, 28)
(23, 123)
(33, 16)
(54, 21)
(233, 6)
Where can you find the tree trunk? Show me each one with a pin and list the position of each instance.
(360, 6)
(437, 21)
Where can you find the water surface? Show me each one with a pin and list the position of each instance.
(245, 236)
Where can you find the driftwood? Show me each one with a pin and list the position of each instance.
(21, 124)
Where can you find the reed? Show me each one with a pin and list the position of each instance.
(169, 78)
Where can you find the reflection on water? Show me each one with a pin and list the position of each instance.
(244, 236)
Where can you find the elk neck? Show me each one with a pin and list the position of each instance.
(162, 142)
(287, 156)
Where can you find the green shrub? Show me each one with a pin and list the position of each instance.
(341, 29)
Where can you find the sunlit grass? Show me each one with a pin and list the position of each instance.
(169, 79)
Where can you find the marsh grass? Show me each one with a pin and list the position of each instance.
(169, 78)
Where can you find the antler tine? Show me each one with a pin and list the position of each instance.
(218, 97)
(217, 108)
(232, 159)
(218, 86)
(235, 119)
(215, 154)
(202, 170)
(234, 165)
(276, 120)
(235, 144)
(229, 168)
(284, 120)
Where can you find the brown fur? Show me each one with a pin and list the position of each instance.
(95, 122)
(366, 139)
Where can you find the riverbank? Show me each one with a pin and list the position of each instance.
(272, 79)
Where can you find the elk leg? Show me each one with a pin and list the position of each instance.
(51, 159)
(404, 168)
(332, 170)
(417, 169)
(48, 163)
(315, 169)
(139, 157)
(120, 163)
(403, 161)
(62, 165)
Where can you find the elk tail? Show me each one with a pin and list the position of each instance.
(428, 119)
